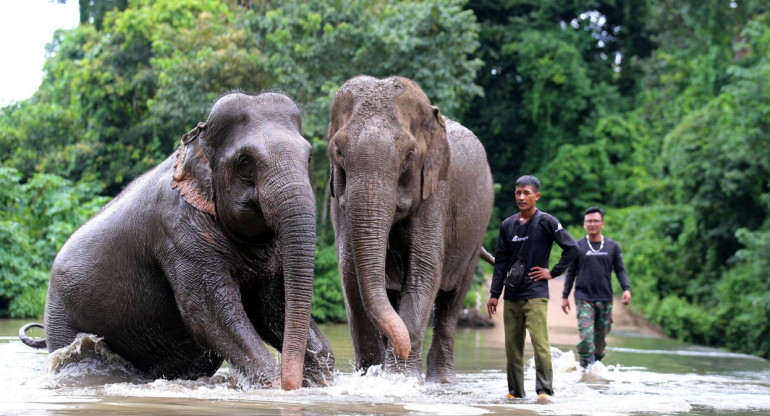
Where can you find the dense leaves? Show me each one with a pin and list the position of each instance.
(36, 218)
(328, 303)
(656, 110)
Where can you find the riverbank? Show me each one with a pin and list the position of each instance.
(562, 327)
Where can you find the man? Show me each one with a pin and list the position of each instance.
(526, 307)
(591, 271)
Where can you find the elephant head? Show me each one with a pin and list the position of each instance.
(247, 166)
(389, 153)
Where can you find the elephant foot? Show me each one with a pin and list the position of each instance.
(319, 361)
(442, 378)
(406, 370)
(441, 373)
(319, 372)
(317, 379)
(253, 381)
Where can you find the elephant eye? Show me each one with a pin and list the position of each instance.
(245, 168)
(408, 161)
(339, 180)
(338, 155)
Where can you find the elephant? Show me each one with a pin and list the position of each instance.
(412, 194)
(204, 257)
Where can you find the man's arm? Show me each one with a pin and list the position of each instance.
(569, 281)
(502, 255)
(569, 251)
(622, 275)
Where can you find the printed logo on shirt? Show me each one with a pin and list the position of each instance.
(559, 227)
(516, 238)
(601, 253)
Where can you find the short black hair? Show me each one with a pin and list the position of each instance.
(529, 180)
(591, 210)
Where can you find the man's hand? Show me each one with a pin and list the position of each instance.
(565, 305)
(491, 307)
(626, 299)
(539, 273)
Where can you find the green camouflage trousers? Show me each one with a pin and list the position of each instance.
(594, 323)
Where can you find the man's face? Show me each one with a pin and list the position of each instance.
(593, 223)
(526, 197)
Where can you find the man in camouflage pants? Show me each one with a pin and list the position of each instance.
(591, 273)
(594, 323)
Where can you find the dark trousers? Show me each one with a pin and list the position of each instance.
(520, 316)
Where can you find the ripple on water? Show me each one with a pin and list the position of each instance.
(87, 373)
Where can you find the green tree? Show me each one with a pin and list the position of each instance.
(552, 70)
(36, 218)
(121, 90)
(93, 11)
(743, 296)
(707, 98)
(313, 47)
(719, 154)
(328, 302)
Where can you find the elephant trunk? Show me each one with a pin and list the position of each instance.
(289, 207)
(371, 216)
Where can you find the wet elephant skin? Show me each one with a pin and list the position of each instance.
(205, 256)
(412, 196)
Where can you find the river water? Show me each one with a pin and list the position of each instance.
(640, 376)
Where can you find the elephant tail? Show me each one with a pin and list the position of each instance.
(484, 254)
(34, 343)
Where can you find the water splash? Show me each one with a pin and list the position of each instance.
(375, 384)
(36, 383)
(88, 361)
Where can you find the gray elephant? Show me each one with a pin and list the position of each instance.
(412, 196)
(204, 257)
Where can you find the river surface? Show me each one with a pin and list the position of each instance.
(640, 376)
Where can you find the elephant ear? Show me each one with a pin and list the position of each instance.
(192, 172)
(436, 166)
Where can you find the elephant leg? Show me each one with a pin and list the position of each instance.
(59, 333)
(415, 307)
(319, 360)
(368, 343)
(218, 320)
(440, 360)
(148, 330)
(419, 289)
(415, 310)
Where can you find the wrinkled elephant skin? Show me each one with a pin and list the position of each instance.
(206, 257)
(412, 196)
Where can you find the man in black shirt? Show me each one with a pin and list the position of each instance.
(591, 272)
(526, 307)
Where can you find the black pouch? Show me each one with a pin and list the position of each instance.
(515, 276)
(514, 279)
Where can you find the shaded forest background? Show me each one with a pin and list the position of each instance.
(657, 110)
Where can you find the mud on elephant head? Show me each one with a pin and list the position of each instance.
(217, 256)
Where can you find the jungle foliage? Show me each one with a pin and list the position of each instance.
(656, 110)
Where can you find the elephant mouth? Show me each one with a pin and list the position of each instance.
(263, 239)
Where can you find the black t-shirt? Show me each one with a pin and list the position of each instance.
(592, 271)
(513, 235)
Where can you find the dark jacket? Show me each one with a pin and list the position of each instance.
(513, 235)
(591, 272)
